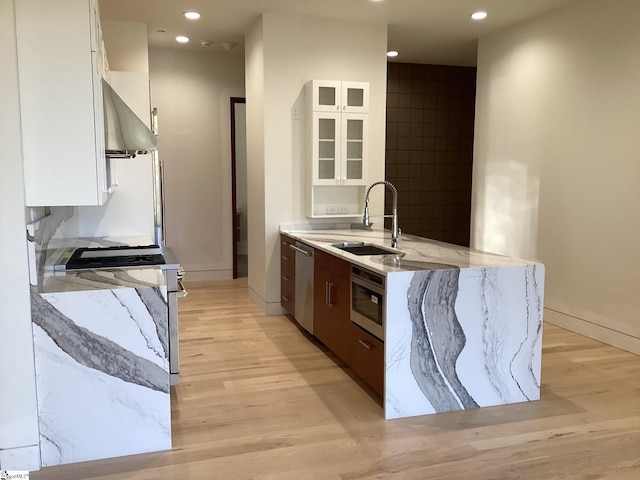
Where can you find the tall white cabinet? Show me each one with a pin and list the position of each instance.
(337, 147)
(61, 64)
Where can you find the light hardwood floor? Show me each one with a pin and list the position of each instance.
(259, 400)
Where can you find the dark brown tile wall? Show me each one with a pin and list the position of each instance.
(429, 148)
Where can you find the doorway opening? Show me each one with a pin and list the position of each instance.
(239, 186)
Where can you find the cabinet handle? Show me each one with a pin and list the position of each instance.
(365, 344)
(327, 293)
(285, 278)
(285, 298)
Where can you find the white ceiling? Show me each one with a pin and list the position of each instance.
(423, 31)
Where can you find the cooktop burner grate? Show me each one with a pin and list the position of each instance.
(119, 256)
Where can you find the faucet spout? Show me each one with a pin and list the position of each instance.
(366, 220)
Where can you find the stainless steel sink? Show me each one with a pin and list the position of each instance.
(361, 248)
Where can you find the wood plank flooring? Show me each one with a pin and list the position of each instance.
(260, 400)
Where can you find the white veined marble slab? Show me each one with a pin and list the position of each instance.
(102, 373)
(462, 338)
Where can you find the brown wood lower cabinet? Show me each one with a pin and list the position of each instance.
(287, 274)
(367, 358)
(331, 304)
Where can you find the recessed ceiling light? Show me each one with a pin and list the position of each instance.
(182, 39)
(478, 15)
(392, 53)
(192, 15)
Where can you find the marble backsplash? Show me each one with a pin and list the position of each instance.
(46, 228)
(52, 234)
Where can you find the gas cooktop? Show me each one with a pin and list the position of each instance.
(119, 256)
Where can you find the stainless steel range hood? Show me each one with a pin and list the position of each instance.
(125, 134)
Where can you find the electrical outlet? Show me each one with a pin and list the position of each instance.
(295, 112)
(343, 209)
(332, 209)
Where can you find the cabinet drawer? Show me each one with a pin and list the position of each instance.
(288, 265)
(287, 260)
(287, 282)
(287, 239)
(287, 300)
(287, 274)
(367, 358)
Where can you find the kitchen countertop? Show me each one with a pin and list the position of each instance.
(413, 252)
(52, 279)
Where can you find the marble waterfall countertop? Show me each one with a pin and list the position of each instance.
(462, 328)
(413, 253)
(101, 344)
(102, 373)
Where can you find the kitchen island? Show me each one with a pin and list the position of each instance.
(462, 328)
(101, 358)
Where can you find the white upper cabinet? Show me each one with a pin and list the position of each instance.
(338, 96)
(61, 63)
(337, 146)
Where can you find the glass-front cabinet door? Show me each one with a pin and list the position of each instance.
(326, 148)
(354, 128)
(355, 97)
(327, 95)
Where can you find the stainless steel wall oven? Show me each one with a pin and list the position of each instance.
(368, 301)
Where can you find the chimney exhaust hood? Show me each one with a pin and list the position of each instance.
(125, 134)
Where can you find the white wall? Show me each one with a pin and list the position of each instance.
(284, 52)
(192, 91)
(19, 435)
(556, 172)
(127, 46)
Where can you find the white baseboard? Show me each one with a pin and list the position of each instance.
(592, 330)
(269, 308)
(20, 459)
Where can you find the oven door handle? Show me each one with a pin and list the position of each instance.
(183, 291)
(363, 282)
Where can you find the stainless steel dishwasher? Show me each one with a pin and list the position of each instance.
(304, 285)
